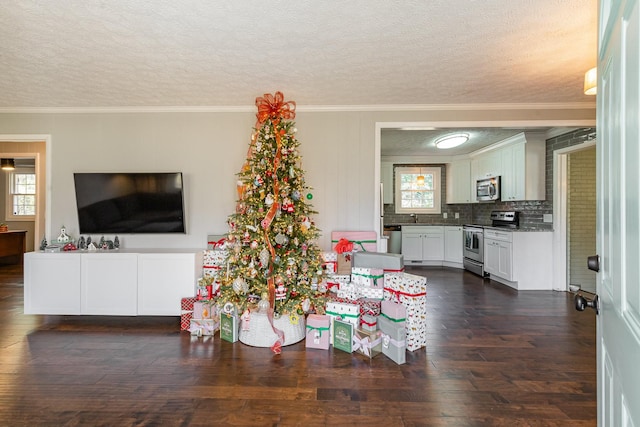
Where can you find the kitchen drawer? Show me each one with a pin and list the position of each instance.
(501, 235)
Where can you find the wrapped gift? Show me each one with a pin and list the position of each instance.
(318, 331)
(410, 291)
(394, 344)
(344, 264)
(186, 312)
(214, 257)
(217, 242)
(349, 291)
(371, 293)
(388, 262)
(366, 241)
(203, 327)
(334, 281)
(204, 309)
(330, 262)
(369, 306)
(344, 310)
(343, 335)
(368, 322)
(369, 277)
(367, 343)
(394, 311)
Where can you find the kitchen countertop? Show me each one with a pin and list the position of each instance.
(521, 228)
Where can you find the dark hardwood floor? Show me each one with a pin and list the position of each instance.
(494, 357)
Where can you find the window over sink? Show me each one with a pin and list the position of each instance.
(417, 190)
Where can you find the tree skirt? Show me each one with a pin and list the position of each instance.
(261, 334)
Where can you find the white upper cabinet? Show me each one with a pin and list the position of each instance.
(523, 170)
(459, 181)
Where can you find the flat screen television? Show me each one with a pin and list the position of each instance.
(128, 203)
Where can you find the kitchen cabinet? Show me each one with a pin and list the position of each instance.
(124, 282)
(386, 177)
(453, 244)
(423, 243)
(519, 259)
(498, 254)
(459, 185)
(485, 165)
(523, 169)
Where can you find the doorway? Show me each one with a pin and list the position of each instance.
(27, 150)
(574, 208)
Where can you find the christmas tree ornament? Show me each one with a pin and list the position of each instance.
(240, 286)
(309, 196)
(254, 244)
(295, 195)
(263, 305)
(294, 318)
(306, 304)
(268, 200)
(264, 256)
(281, 239)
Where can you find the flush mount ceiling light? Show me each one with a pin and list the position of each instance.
(591, 81)
(450, 141)
(7, 164)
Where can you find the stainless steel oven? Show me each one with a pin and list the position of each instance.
(473, 248)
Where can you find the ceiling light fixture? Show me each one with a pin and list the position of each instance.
(591, 81)
(450, 141)
(7, 164)
(420, 180)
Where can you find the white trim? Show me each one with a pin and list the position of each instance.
(303, 108)
(560, 195)
(9, 214)
(46, 187)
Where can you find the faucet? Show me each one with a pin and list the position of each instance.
(415, 218)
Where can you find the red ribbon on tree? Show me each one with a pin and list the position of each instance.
(274, 107)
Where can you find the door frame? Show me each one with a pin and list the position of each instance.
(561, 220)
(42, 223)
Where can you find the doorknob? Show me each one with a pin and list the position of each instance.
(593, 263)
(582, 303)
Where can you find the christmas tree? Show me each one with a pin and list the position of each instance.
(272, 249)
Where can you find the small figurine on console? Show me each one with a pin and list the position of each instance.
(116, 243)
(43, 243)
(63, 237)
(82, 244)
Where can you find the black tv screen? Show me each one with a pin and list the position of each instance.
(127, 202)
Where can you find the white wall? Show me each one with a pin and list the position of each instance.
(338, 154)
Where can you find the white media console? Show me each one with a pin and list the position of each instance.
(131, 282)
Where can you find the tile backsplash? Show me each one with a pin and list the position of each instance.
(532, 212)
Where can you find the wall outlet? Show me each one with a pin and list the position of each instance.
(547, 218)
(457, 215)
(444, 215)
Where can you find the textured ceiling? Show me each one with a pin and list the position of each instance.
(111, 53)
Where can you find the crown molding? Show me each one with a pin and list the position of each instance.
(301, 108)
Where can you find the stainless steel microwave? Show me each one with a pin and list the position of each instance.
(488, 189)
